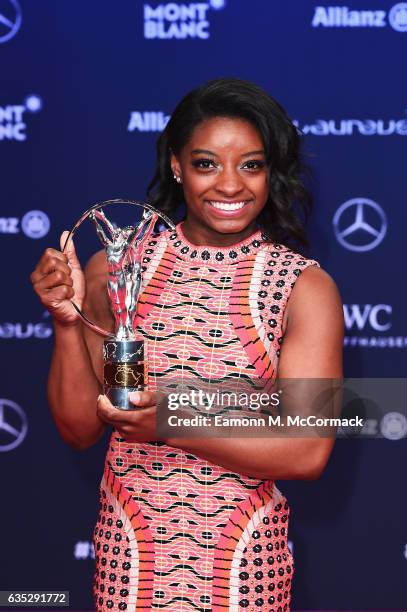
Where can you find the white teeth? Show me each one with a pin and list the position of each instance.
(231, 206)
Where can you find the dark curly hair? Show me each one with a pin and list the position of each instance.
(289, 202)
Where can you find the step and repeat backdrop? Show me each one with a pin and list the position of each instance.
(86, 88)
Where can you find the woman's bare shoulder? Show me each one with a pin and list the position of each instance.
(314, 284)
(315, 297)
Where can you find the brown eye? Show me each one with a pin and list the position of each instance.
(204, 164)
(254, 164)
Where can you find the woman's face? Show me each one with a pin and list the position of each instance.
(224, 177)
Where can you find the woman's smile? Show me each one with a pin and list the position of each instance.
(226, 208)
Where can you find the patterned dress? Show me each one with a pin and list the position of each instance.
(177, 532)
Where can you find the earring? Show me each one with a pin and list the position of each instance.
(177, 178)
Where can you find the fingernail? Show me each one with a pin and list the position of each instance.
(135, 396)
(99, 398)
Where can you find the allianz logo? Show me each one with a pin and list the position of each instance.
(23, 331)
(348, 127)
(172, 20)
(344, 17)
(147, 121)
(375, 315)
(34, 224)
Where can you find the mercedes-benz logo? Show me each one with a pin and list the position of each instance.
(13, 425)
(360, 224)
(10, 19)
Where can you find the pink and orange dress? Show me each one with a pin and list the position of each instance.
(177, 532)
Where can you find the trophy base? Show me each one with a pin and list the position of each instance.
(119, 396)
(124, 371)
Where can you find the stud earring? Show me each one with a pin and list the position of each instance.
(177, 178)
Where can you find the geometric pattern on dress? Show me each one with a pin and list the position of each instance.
(240, 545)
(213, 315)
(119, 512)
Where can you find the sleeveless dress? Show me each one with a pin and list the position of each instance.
(176, 532)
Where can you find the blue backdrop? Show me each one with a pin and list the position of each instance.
(85, 89)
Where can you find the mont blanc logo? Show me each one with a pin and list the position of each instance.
(344, 17)
(360, 224)
(147, 121)
(393, 426)
(13, 118)
(13, 425)
(34, 224)
(171, 20)
(10, 19)
(352, 127)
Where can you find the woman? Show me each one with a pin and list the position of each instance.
(192, 524)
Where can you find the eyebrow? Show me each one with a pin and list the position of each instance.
(206, 152)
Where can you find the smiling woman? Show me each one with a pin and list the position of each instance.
(230, 143)
(227, 301)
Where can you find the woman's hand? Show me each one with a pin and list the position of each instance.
(133, 425)
(57, 279)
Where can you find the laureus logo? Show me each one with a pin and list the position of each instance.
(353, 127)
(40, 330)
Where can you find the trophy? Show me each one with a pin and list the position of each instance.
(125, 368)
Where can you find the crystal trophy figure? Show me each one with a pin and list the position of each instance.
(125, 368)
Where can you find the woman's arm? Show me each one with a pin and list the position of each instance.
(73, 388)
(75, 376)
(312, 348)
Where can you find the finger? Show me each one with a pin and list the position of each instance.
(69, 250)
(143, 398)
(55, 279)
(110, 413)
(53, 254)
(52, 297)
(50, 256)
(56, 264)
(62, 239)
(117, 416)
(136, 423)
(106, 414)
(49, 266)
